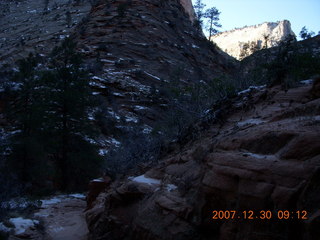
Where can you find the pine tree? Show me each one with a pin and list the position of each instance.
(53, 140)
(199, 10)
(68, 102)
(213, 16)
(26, 113)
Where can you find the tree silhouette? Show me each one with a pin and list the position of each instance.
(199, 10)
(213, 16)
(305, 34)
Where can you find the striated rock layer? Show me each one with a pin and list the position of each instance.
(263, 155)
(242, 42)
(137, 47)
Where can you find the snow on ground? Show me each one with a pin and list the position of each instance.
(60, 198)
(3, 228)
(21, 224)
(306, 82)
(48, 202)
(77, 195)
(16, 203)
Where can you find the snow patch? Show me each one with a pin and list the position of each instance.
(252, 121)
(147, 129)
(131, 119)
(144, 179)
(97, 180)
(153, 76)
(21, 224)
(307, 82)
(77, 195)
(98, 78)
(137, 108)
(3, 228)
(170, 187)
(258, 156)
(252, 88)
(48, 202)
(103, 152)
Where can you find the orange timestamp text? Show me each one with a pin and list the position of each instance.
(259, 215)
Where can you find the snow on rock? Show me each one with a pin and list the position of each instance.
(251, 88)
(21, 224)
(258, 156)
(144, 179)
(98, 78)
(147, 129)
(251, 121)
(3, 228)
(103, 152)
(170, 187)
(97, 180)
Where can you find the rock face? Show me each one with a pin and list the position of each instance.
(132, 48)
(263, 155)
(242, 42)
(138, 46)
(187, 4)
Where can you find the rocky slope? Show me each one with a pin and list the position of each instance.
(262, 155)
(136, 47)
(132, 48)
(298, 58)
(26, 26)
(242, 42)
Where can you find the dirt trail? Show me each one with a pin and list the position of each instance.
(61, 218)
(65, 220)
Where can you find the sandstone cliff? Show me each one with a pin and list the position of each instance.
(187, 4)
(132, 48)
(242, 42)
(263, 155)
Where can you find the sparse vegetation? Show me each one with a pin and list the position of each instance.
(305, 34)
(285, 65)
(211, 15)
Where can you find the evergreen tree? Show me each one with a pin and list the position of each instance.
(68, 102)
(53, 140)
(26, 113)
(213, 17)
(199, 10)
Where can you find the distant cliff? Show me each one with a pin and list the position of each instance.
(242, 42)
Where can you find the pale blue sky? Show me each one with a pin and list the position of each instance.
(238, 13)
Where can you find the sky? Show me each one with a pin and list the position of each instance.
(239, 13)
